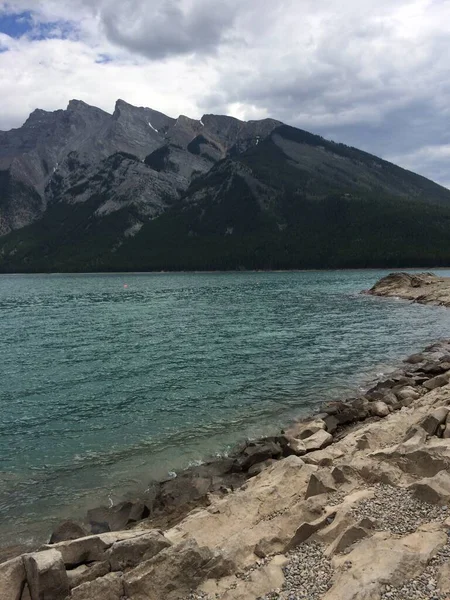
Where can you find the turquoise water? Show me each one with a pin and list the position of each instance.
(105, 387)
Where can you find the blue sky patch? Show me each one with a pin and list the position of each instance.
(20, 24)
(16, 25)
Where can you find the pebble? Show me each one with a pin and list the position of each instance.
(397, 510)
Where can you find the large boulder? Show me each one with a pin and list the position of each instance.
(46, 575)
(437, 382)
(67, 531)
(129, 553)
(109, 587)
(115, 518)
(82, 550)
(12, 579)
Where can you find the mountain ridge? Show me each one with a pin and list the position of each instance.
(82, 189)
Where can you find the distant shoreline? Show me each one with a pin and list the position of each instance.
(236, 271)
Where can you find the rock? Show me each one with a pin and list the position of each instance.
(407, 393)
(436, 382)
(26, 593)
(347, 412)
(433, 490)
(430, 423)
(342, 474)
(128, 553)
(173, 572)
(12, 579)
(305, 429)
(446, 432)
(46, 575)
(383, 558)
(306, 530)
(298, 446)
(324, 458)
(256, 452)
(320, 482)
(85, 573)
(103, 519)
(415, 359)
(379, 409)
(331, 423)
(260, 467)
(347, 538)
(318, 440)
(267, 546)
(109, 587)
(81, 550)
(67, 531)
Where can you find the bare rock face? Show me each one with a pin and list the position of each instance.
(12, 579)
(46, 575)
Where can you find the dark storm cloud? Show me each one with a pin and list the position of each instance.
(164, 28)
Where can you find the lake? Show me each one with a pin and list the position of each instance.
(110, 381)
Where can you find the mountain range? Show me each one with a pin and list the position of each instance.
(84, 190)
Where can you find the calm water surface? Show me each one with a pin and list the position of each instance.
(104, 387)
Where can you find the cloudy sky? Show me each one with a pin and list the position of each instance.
(371, 73)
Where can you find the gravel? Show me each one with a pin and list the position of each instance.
(307, 575)
(397, 510)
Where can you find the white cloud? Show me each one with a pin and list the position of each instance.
(373, 73)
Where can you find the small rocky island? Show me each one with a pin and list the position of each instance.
(349, 504)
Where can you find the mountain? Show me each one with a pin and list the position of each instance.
(83, 190)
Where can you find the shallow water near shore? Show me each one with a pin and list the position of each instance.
(109, 381)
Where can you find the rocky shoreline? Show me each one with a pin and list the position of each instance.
(423, 288)
(350, 503)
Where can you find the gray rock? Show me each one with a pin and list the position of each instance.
(379, 409)
(320, 483)
(436, 382)
(46, 575)
(86, 573)
(12, 579)
(318, 440)
(67, 531)
(128, 553)
(109, 587)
